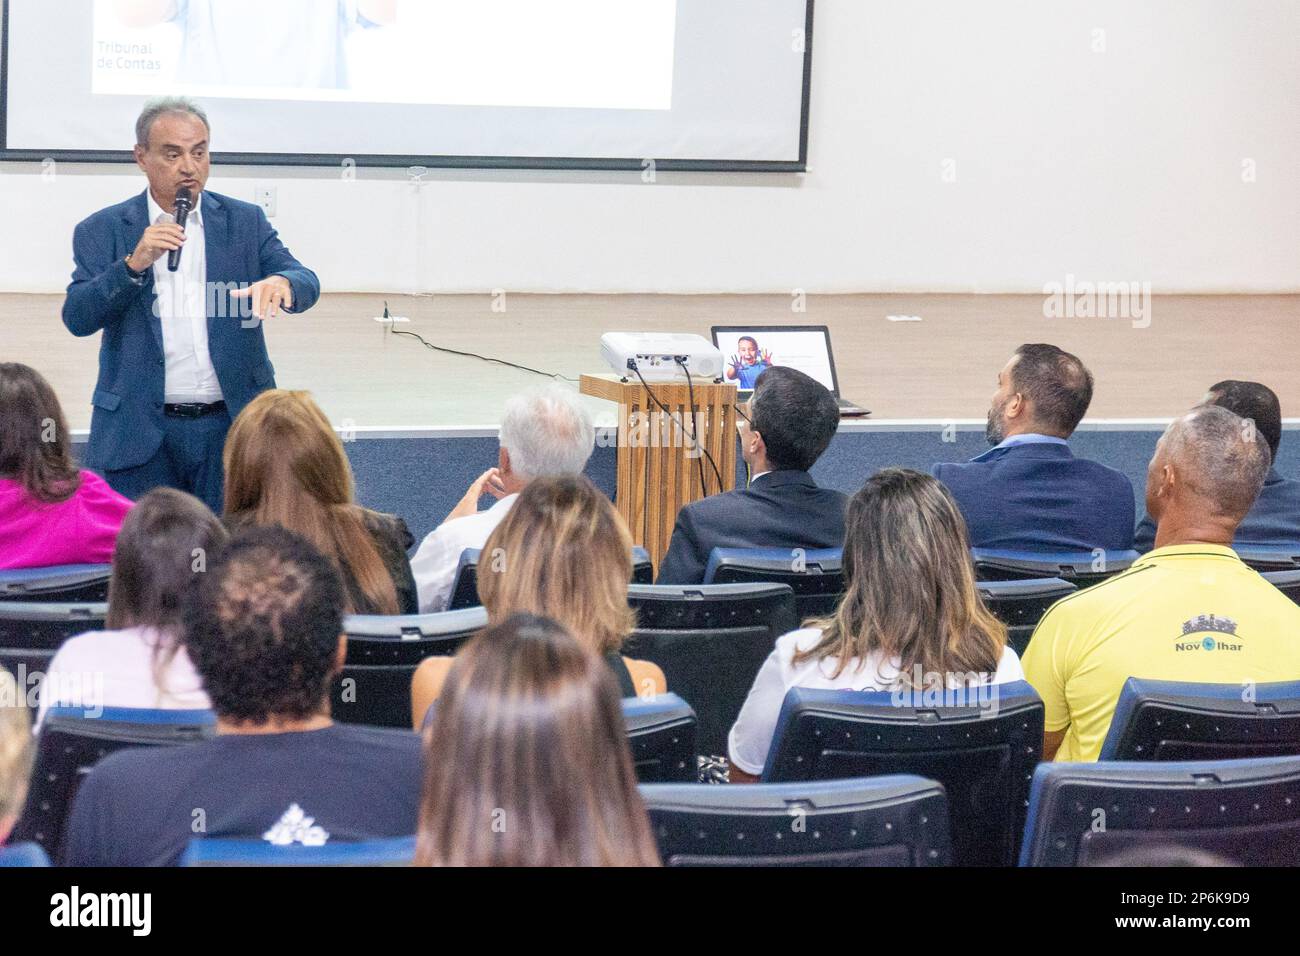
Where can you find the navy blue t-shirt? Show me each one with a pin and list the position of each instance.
(141, 807)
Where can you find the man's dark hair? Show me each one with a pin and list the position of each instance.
(1058, 384)
(262, 626)
(748, 338)
(1254, 402)
(796, 415)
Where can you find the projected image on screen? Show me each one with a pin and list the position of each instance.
(695, 84)
(444, 52)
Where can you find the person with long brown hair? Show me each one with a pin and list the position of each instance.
(139, 660)
(911, 619)
(285, 466)
(526, 758)
(561, 552)
(51, 511)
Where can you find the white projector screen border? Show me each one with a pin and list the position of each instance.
(454, 161)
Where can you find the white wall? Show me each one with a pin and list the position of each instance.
(1125, 164)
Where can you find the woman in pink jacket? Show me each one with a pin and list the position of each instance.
(51, 512)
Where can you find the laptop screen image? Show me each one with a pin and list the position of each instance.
(748, 351)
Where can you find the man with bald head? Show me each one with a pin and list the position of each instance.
(1190, 610)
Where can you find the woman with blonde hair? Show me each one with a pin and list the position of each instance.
(526, 758)
(285, 466)
(911, 618)
(561, 552)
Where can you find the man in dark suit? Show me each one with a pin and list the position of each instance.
(183, 350)
(1275, 518)
(790, 420)
(1029, 492)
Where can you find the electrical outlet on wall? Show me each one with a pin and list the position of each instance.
(264, 196)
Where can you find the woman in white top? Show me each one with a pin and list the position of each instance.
(911, 617)
(139, 661)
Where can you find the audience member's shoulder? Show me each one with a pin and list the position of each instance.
(108, 214)
(1113, 591)
(378, 739)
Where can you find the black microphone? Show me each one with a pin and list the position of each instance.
(184, 203)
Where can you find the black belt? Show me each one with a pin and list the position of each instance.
(193, 409)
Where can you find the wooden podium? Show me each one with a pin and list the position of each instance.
(659, 464)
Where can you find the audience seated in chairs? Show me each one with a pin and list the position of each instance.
(284, 465)
(17, 751)
(139, 661)
(561, 552)
(51, 512)
(1275, 517)
(1188, 611)
(910, 616)
(527, 760)
(790, 420)
(545, 433)
(1029, 492)
(264, 628)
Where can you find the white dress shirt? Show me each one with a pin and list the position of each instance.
(435, 563)
(183, 311)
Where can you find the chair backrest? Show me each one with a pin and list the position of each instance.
(31, 631)
(1244, 811)
(81, 583)
(464, 589)
(1170, 720)
(661, 732)
(981, 743)
(1288, 582)
(881, 821)
(72, 740)
(710, 640)
(816, 575)
(1082, 568)
(1021, 604)
(1269, 557)
(222, 851)
(383, 653)
(23, 854)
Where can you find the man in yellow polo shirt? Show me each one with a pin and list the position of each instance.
(1187, 611)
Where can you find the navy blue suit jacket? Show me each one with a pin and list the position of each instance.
(126, 426)
(1039, 497)
(1275, 518)
(782, 509)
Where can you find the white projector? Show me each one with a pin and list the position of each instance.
(660, 356)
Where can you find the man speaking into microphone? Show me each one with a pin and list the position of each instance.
(179, 280)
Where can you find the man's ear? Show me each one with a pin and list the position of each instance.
(756, 443)
(341, 654)
(503, 460)
(138, 151)
(1016, 406)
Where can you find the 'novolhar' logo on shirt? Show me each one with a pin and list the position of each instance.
(1209, 632)
(103, 909)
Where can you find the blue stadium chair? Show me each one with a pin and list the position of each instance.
(30, 632)
(222, 851)
(816, 575)
(1288, 582)
(1082, 568)
(72, 740)
(383, 653)
(1245, 811)
(67, 583)
(1170, 720)
(882, 821)
(710, 640)
(661, 731)
(1021, 604)
(23, 854)
(983, 749)
(1269, 557)
(464, 589)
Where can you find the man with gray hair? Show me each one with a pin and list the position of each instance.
(545, 433)
(1190, 610)
(182, 351)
